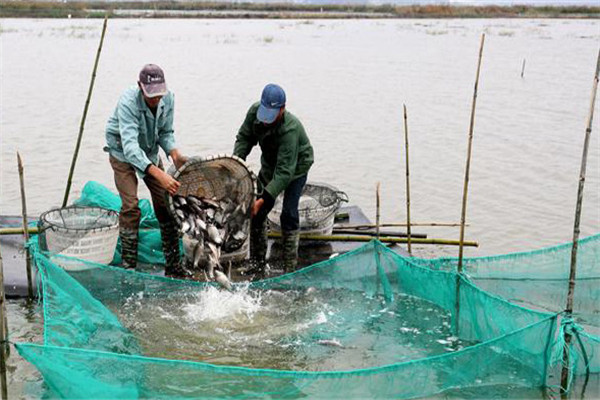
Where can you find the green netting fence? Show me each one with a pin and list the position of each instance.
(538, 279)
(367, 324)
(90, 352)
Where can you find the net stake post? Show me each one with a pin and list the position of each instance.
(523, 68)
(377, 207)
(25, 230)
(408, 236)
(85, 110)
(564, 376)
(3, 333)
(465, 187)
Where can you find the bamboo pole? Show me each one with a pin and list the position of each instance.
(397, 224)
(407, 181)
(3, 334)
(85, 110)
(468, 166)
(466, 186)
(17, 231)
(342, 231)
(564, 378)
(377, 211)
(384, 239)
(523, 68)
(25, 230)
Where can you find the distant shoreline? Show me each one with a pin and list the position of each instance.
(187, 9)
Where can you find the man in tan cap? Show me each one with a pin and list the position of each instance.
(141, 124)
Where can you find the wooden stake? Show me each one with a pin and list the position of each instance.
(407, 182)
(466, 186)
(564, 378)
(523, 68)
(3, 334)
(25, 230)
(377, 213)
(85, 110)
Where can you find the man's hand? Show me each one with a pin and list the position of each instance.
(178, 158)
(258, 203)
(165, 180)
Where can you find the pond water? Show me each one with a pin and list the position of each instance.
(347, 81)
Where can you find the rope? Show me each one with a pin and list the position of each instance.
(568, 326)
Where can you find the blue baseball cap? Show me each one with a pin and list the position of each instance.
(271, 101)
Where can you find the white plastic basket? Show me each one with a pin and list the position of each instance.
(317, 207)
(85, 233)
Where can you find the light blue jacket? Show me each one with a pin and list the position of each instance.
(134, 134)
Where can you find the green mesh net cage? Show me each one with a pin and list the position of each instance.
(367, 324)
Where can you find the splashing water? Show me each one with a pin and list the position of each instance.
(214, 304)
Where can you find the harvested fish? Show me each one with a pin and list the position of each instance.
(333, 342)
(222, 280)
(210, 226)
(213, 234)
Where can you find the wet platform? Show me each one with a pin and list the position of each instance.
(309, 252)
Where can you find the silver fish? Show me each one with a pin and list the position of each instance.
(194, 201)
(222, 280)
(180, 214)
(239, 235)
(219, 217)
(210, 268)
(213, 234)
(216, 251)
(333, 342)
(185, 227)
(197, 254)
(192, 223)
(210, 214)
(200, 223)
(210, 203)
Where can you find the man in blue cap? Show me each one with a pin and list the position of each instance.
(286, 157)
(141, 124)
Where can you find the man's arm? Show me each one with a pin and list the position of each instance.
(129, 130)
(166, 137)
(165, 180)
(245, 140)
(287, 159)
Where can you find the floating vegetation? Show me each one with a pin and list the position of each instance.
(506, 33)
(435, 32)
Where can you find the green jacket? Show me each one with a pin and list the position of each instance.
(134, 134)
(286, 150)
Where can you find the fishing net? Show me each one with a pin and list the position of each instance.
(360, 325)
(538, 279)
(366, 324)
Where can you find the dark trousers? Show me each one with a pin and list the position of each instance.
(127, 184)
(290, 219)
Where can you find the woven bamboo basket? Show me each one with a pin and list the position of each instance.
(217, 177)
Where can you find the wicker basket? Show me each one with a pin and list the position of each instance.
(219, 177)
(317, 207)
(85, 233)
